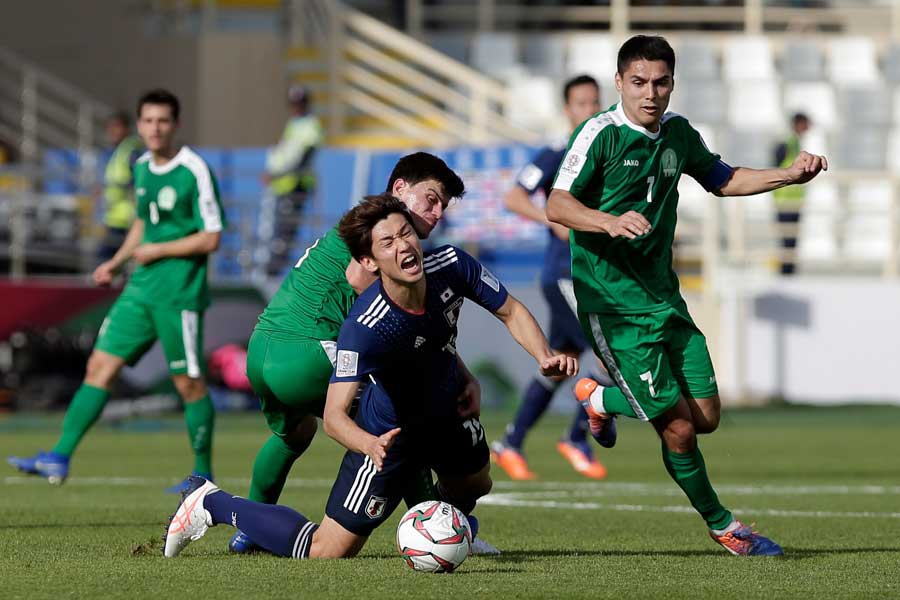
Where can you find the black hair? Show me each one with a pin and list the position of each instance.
(357, 223)
(800, 118)
(160, 96)
(121, 117)
(645, 47)
(576, 81)
(419, 166)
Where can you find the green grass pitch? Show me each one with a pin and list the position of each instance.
(825, 483)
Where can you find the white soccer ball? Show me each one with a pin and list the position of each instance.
(434, 537)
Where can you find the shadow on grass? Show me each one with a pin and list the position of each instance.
(104, 525)
(790, 553)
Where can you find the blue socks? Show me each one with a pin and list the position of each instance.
(279, 529)
(534, 404)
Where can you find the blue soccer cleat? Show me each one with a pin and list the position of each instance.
(53, 466)
(184, 484)
(241, 543)
(743, 541)
(603, 426)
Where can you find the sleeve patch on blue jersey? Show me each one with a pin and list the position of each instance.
(488, 278)
(347, 363)
(530, 177)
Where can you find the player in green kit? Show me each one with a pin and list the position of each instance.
(180, 220)
(290, 358)
(617, 190)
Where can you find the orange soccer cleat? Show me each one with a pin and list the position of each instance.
(511, 461)
(603, 426)
(581, 459)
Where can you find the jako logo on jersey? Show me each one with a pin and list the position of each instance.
(419, 341)
(140, 191)
(375, 506)
(669, 163)
(166, 197)
(347, 362)
(446, 295)
(631, 162)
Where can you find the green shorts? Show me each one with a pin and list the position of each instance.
(655, 358)
(290, 376)
(131, 327)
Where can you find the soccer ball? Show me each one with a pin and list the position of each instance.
(434, 537)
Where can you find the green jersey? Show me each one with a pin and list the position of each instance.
(615, 166)
(175, 200)
(315, 297)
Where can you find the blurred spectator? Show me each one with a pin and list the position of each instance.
(289, 174)
(789, 200)
(118, 189)
(7, 153)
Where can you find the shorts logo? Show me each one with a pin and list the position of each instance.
(419, 341)
(446, 295)
(166, 198)
(347, 362)
(669, 163)
(178, 364)
(375, 506)
(489, 279)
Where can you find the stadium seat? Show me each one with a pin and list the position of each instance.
(496, 54)
(703, 101)
(852, 60)
(759, 208)
(802, 60)
(754, 104)
(543, 105)
(866, 238)
(697, 61)
(594, 54)
(862, 148)
(817, 242)
(816, 99)
(869, 198)
(891, 64)
(454, 45)
(865, 105)
(893, 151)
(748, 148)
(545, 55)
(747, 58)
(691, 199)
(822, 198)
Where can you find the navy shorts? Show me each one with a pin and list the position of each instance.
(565, 330)
(362, 498)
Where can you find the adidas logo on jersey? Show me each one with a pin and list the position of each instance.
(419, 341)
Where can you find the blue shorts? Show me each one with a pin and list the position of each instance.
(565, 330)
(362, 498)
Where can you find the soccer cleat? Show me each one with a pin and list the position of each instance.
(603, 426)
(478, 545)
(743, 541)
(511, 461)
(241, 543)
(53, 466)
(181, 486)
(579, 456)
(191, 520)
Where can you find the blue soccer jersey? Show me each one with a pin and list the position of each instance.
(539, 175)
(410, 359)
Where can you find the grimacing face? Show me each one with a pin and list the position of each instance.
(582, 104)
(157, 127)
(426, 201)
(396, 251)
(646, 87)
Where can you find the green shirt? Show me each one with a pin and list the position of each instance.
(615, 166)
(175, 200)
(314, 298)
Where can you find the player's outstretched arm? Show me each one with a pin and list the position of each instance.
(344, 430)
(525, 330)
(104, 273)
(202, 242)
(746, 182)
(565, 209)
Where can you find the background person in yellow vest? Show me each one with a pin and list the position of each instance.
(118, 184)
(789, 200)
(290, 177)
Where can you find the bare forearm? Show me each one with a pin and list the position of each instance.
(524, 329)
(336, 418)
(746, 182)
(202, 242)
(132, 241)
(565, 209)
(518, 201)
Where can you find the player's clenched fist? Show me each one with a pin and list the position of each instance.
(630, 225)
(560, 365)
(380, 446)
(806, 166)
(104, 273)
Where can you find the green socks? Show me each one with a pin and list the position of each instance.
(615, 403)
(689, 472)
(200, 417)
(84, 410)
(270, 470)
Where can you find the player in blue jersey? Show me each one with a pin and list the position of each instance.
(400, 340)
(582, 101)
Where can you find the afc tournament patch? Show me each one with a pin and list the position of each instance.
(347, 361)
(488, 277)
(375, 506)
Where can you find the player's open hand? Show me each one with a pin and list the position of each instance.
(559, 366)
(806, 166)
(380, 446)
(468, 404)
(147, 253)
(104, 273)
(629, 225)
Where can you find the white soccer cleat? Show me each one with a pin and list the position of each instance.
(482, 548)
(191, 520)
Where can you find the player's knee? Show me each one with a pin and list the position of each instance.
(301, 437)
(101, 369)
(190, 389)
(710, 423)
(680, 435)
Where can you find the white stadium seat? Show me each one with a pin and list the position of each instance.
(852, 60)
(595, 55)
(869, 198)
(747, 58)
(816, 99)
(754, 104)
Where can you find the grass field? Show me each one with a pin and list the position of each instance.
(825, 483)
